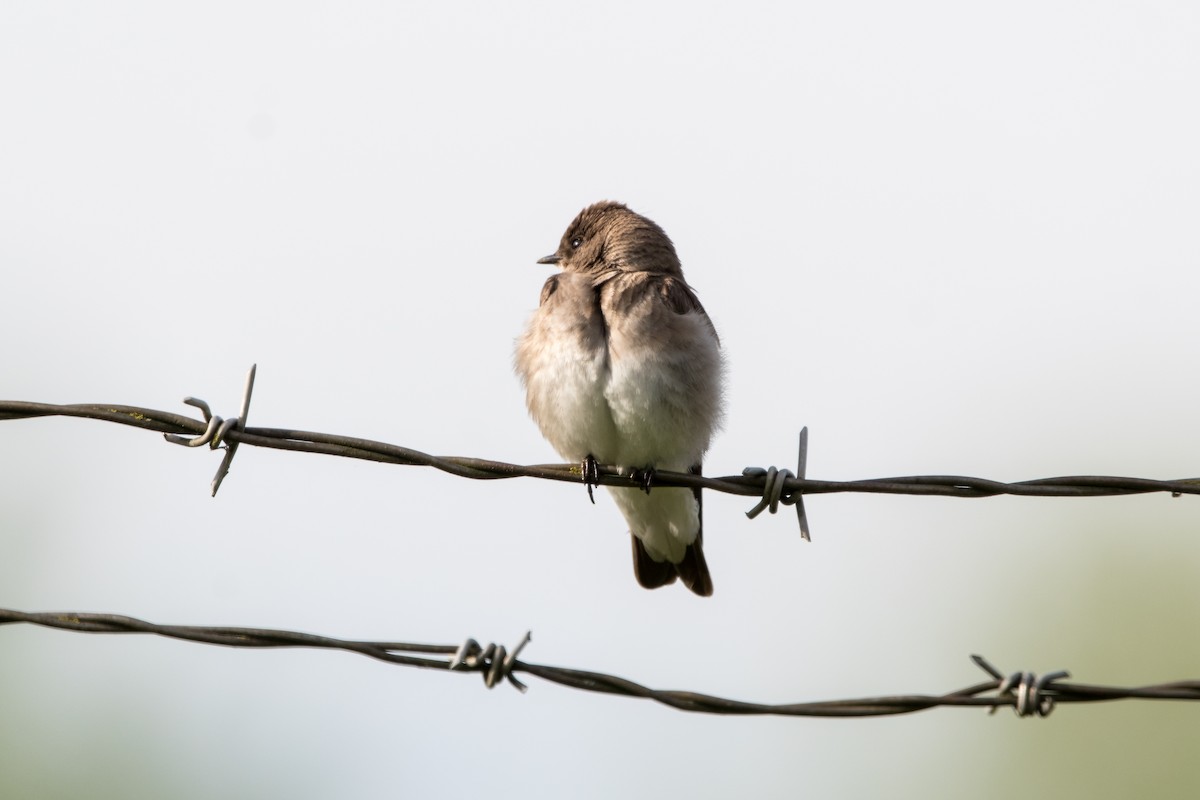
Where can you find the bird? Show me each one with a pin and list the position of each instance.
(622, 366)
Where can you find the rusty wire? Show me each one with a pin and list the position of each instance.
(1025, 692)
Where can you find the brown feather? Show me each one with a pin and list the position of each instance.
(693, 570)
(650, 574)
(548, 288)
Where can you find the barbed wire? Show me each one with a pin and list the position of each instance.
(775, 486)
(1025, 692)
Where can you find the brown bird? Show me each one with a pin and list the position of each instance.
(622, 366)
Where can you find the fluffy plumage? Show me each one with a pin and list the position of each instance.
(620, 362)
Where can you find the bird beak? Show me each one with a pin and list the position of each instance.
(550, 259)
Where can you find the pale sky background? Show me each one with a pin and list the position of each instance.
(948, 239)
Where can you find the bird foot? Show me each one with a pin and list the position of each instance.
(591, 475)
(643, 478)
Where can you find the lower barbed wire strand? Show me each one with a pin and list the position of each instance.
(1026, 693)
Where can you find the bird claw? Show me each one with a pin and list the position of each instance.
(591, 475)
(643, 478)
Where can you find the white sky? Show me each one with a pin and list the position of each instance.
(947, 239)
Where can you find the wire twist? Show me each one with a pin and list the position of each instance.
(1033, 695)
(493, 661)
(775, 487)
(217, 430)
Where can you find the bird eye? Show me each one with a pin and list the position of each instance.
(576, 242)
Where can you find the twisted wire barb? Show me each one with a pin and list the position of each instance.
(1025, 692)
(772, 485)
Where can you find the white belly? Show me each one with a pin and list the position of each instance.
(639, 391)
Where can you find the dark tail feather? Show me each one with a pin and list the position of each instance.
(650, 574)
(694, 570)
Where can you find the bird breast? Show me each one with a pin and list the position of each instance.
(562, 359)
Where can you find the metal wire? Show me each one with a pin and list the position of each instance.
(772, 485)
(1025, 692)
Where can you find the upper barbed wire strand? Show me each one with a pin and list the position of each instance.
(609, 475)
